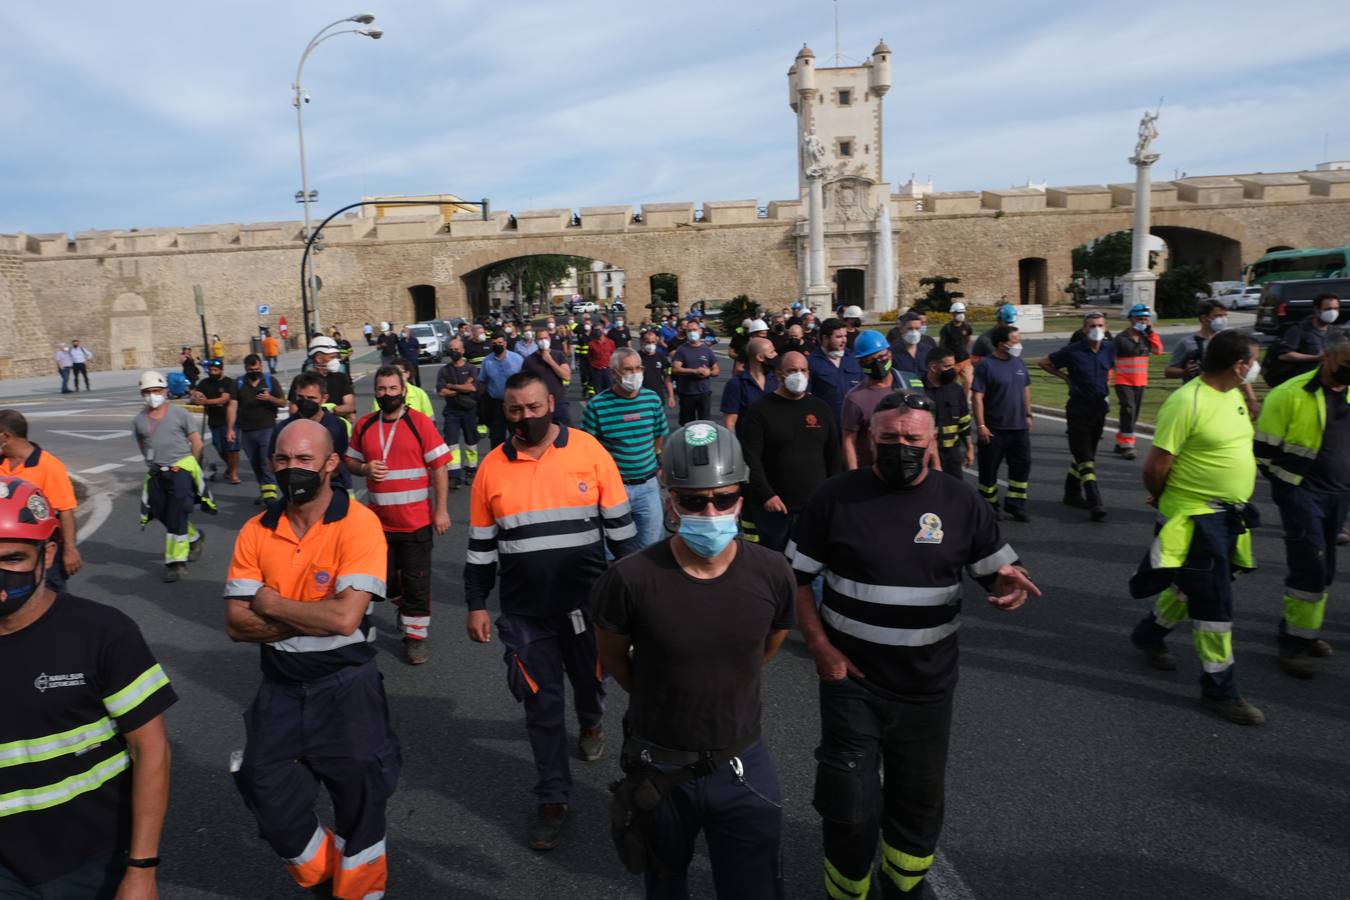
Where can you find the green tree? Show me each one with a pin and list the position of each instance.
(1110, 256)
(532, 276)
(938, 298)
(665, 292)
(1178, 289)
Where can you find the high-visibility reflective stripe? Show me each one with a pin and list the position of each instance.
(368, 583)
(891, 637)
(622, 533)
(550, 542)
(64, 790)
(435, 453)
(130, 697)
(1305, 596)
(370, 854)
(405, 474)
(904, 870)
(1308, 633)
(893, 595)
(1303, 618)
(1003, 556)
(242, 587)
(800, 561)
(618, 509)
(539, 516)
(353, 453)
(1283, 474)
(306, 643)
(483, 532)
(1170, 608)
(1213, 668)
(481, 557)
(1213, 647)
(1298, 450)
(50, 746)
(311, 849)
(841, 887)
(396, 498)
(1212, 627)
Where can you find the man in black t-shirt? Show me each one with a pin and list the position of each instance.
(702, 612)
(84, 761)
(549, 363)
(791, 444)
(457, 382)
(251, 416)
(656, 368)
(214, 393)
(892, 541)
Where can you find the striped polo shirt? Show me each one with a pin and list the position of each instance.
(411, 447)
(544, 523)
(893, 561)
(628, 427)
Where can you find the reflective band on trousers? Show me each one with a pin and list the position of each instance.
(50, 746)
(64, 790)
(840, 887)
(905, 870)
(892, 637)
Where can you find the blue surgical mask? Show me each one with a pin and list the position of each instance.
(708, 535)
(1141, 327)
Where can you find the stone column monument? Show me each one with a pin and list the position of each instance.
(817, 288)
(1138, 285)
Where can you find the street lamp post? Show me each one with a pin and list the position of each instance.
(300, 101)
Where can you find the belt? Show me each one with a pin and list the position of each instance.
(637, 748)
(643, 480)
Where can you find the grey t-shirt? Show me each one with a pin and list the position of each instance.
(166, 441)
(1190, 347)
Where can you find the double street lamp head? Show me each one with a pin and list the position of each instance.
(362, 19)
(373, 33)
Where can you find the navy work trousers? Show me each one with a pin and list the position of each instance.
(255, 445)
(540, 653)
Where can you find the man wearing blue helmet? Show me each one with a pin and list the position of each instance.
(880, 378)
(984, 346)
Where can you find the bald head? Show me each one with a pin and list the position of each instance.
(305, 436)
(758, 347)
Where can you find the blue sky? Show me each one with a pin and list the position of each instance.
(143, 114)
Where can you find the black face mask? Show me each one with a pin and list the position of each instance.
(254, 377)
(792, 344)
(947, 377)
(900, 464)
(389, 402)
(878, 371)
(1341, 375)
(769, 365)
(306, 408)
(20, 587)
(499, 349)
(456, 356)
(531, 430)
(299, 486)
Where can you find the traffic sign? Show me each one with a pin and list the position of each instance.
(264, 309)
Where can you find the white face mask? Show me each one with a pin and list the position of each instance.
(544, 343)
(1095, 334)
(796, 382)
(912, 337)
(1253, 373)
(649, 349)
(155, 401)
(632, 383)
(1329, 315)
(333, 365)
(694, 335)
(1015, 350)
(1218, 323)
(958, 317)
(618, 323)
(836, 354)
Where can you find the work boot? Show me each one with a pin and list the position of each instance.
(1297, 662)
(591, 744)
(549, 824)
(1157, 655)
(1018, 514)
(1319, 648)
(1235, 710)
(1073, 493)
(174, 572)
(414, 652)
(1093, 497)
(195, 548)
(1344, 536)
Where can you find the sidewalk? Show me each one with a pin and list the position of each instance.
(122, 384)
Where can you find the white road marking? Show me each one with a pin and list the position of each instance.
(94, 435)
(106, 467)
(946, 882)
(100, 506)
(136, 458)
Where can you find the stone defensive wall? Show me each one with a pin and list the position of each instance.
(128, 295)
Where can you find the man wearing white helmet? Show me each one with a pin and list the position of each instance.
(956, 336)
(172, 447)
(323, 358)
(852, 316)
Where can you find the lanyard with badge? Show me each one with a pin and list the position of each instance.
(386, 443)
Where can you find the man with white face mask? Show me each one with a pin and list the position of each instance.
(323, 356)
(1001, 401)
(168, 438)
(1085, 366)
(549, 362)
(629, 421)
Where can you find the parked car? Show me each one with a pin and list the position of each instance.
(1285, 302)
(443, 331)
(430, 346)
(1241, 298)
(584, 306)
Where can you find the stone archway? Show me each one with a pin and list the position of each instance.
(1033, 281)
(131, 342)
(1219, 255)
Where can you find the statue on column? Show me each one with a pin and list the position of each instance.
(1148, 133)
(815, 154)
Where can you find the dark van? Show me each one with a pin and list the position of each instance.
(1284, 303)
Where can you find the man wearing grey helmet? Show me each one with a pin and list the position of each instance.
(702, 612)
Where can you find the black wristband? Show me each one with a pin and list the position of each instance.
(149, 862)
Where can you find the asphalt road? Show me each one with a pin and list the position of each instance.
(1075, 771)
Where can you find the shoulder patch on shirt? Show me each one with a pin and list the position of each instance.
(930, 529)
(812, 421)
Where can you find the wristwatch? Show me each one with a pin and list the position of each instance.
(149, 862)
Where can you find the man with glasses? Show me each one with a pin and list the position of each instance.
(892, 541)
(702, 613)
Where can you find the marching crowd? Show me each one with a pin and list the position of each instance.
(827, 494)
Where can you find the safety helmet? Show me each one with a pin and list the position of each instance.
(215, 364)
(852, 312)
(1007, 314)
(152, 380)
(868, 343)
(1139, 309)
(322, 343)
(384, 326)
(757, 325)
(958, 306)
(25, 515)
(796, 306)
(702, 455)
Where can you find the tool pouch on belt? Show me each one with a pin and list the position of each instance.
(634, 804)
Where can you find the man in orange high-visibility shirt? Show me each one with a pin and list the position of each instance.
(1134, 346)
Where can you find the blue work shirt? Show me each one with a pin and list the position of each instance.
(742, 391)
(525, 348)
(667, 333)
(496, 370)
(830, 382)
(1088, 370)
(916, 365)
(1003, 383)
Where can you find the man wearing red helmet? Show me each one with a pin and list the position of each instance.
(84, 761)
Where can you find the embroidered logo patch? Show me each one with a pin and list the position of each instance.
(582, 486)
(38, 507)
(930, 529)
(322, 577)
(811, 421)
